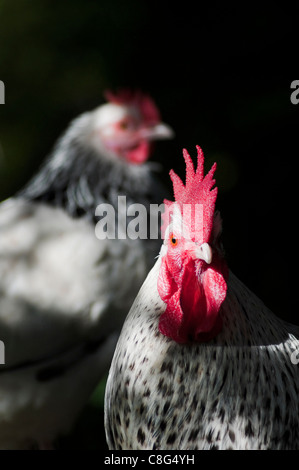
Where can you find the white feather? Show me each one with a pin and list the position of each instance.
(59, 287)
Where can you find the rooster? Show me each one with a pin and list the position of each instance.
(63, 292)
(201, 362)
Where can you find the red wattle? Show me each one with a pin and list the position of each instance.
(138, 154)
(192, 312)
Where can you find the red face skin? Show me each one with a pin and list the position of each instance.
(192, 277)
(129, 140)
(138, 154)
(193, 292)
(131, 137)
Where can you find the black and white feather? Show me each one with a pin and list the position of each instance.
(63, 292)
(240, 391)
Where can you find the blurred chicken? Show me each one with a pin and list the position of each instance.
(64, 292)
(201, 363)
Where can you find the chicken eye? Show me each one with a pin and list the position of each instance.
(124, 125)
(173, 240)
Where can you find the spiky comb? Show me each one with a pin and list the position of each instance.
(197, 191)
(147, 108)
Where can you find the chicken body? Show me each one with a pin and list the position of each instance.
(236, 390)
(63, 291)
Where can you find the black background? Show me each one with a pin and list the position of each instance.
(221, 77)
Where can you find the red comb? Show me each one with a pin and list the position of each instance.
(148, 109)
(197, 190)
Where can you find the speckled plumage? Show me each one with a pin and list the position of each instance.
(238, 391)
(64, 293)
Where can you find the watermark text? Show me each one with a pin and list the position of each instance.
(295, 357)
(2, 92)
(2, 353)
(136, 221)
(295, 95)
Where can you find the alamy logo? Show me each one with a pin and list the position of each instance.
(295, 95)
(2, 92)
(2, 353)
(295, 357)
(135, 221)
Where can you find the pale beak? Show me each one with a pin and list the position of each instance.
(157, 132)
(203, 252)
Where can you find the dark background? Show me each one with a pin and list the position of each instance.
(221, 77)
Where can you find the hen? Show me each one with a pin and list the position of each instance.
(64, 292)
(201, 362)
